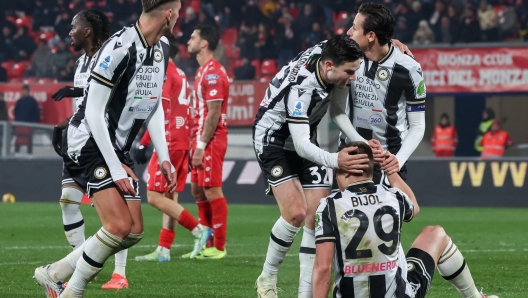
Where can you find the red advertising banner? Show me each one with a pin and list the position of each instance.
(479, 70)
(244, 102)
(51, 112)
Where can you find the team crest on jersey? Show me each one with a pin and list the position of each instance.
(383, 74)
(276, 171)
(158, 56)
(410, 267)
(100, 173)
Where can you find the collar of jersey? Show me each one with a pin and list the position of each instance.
(141, 36)
(362, 187)
(318, 75)
(391, 49)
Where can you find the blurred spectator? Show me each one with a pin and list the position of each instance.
(523, 27)
(251, 14)
(56, 10)
(41, 61)
(315, 36)
(495, 141)
(247, 38)
(227, 20)
(187, 26)
(268, 7)
(3, 109)
(103, 5)
(77, 6)
(67, 73)
(488, 116)
(470, 29)
(121, 14)
(61, 57)
(435, 20)
(286, 42)
(447, 31)
(488, 21)
(63, 23)
(347, 22)
(41, 15)
(415, 15)
(328, 9)
(26, 110)
(424, 34)
(7, 49)
(265, 45)
(23, 43)
(205, 20)
(507, 18)
(3, 75)
(401, 32)
(445, 138)
(245, 71)
(303, 24)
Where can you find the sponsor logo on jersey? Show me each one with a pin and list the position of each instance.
(298, 109)
(373, 267)
(142, 110)
(211, 77)
(158, 55)
(375, 119)
(180, 121)
(421, 89)
(141, 56)
(104, 63)
(107, 59)
(100, 173)
(416, 108)
(117, 45)
(213, 92)
(301, 92)
(211, 82)
(276, 171)
(383, 74)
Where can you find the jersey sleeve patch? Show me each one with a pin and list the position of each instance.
(418, 92)
(106, 68)
(420, 107)
(297, 105)
(324, 231)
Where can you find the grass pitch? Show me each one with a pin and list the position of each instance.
(493, 242)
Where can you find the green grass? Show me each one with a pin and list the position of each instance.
(493, 242)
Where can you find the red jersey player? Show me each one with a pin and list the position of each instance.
(175, 100)
(209, 138)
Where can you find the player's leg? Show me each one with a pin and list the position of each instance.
(434, 247)
(166, 238)
(72, 219)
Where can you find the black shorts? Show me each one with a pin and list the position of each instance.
(279, 165)
(378, 177)
(90, 171)
(420, 271)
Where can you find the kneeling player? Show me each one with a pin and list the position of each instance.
(175, 100)
(361, 226)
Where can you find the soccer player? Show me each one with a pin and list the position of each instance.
(90, 29)
(358, 230)
(124, 92)
(376, 106)
(175, 100)
(209, 138)
(285, 143)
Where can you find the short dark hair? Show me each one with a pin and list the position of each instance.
(25, 87)
(210, 34)
(341, 49)
(363, 148)
(379, 20)
(150, 5)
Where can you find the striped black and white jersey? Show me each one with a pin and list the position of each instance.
(297, 94)
(382, 95)
(82, 73)
(364, 222)
(134, 71)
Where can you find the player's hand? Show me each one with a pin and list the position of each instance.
(403, 48)
(56, 141)
(125, 187)
(129, 171)
(141, 154)
(390, 165)
(65, 92)
(352, 163)
(170, 177)
(377, 151)
(197, 159)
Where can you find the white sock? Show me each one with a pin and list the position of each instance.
(120, 262)
(163, 250)
(282, 235)
(306, 260)
(197, 230)
(453, 268)
(72, 218)
(96, 252)
(62, 269)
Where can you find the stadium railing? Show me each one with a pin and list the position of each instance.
(23, 135)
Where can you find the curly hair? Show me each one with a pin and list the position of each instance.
(100, 25)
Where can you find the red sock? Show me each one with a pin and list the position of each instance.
(187, 220)
(204, 212)
(166, 238)
(219, 222)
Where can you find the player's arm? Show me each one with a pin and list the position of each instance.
(67, 91)
(324, 251)
(56, 140)
(338, 114)
(397, 182)
(414, 93)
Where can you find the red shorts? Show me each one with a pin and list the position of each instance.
(156, 181)
(210, 174)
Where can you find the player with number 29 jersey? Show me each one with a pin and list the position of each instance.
(364, 222)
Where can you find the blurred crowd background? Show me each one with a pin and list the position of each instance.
(258, 36)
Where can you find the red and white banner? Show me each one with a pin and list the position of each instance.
(475, 70)
(244, 102)
(51, 112)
